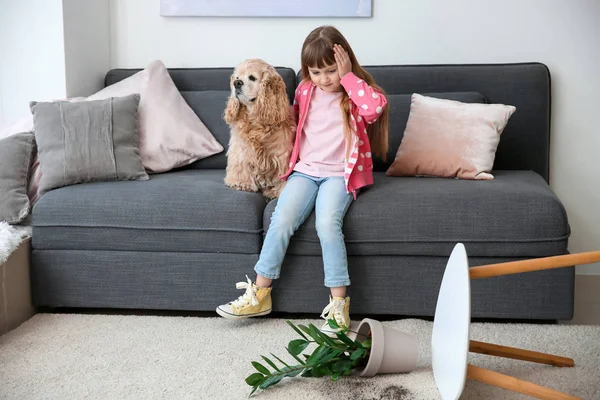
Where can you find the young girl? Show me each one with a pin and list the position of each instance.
(342, 118)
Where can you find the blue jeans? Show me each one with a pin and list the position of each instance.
(300, 195)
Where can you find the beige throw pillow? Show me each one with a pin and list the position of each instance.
(170, 133)
(451, 139)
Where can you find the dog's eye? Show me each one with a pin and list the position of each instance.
(252, 78)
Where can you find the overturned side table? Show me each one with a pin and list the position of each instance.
(16, 305)
(450, 341)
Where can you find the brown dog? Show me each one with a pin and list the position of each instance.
(262, 129)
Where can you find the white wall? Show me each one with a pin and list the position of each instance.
(87, 45)
(32, 55)
(51, 49)
(562, 34)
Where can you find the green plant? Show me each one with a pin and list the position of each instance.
(333, 357)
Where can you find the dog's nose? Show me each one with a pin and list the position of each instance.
(238, 83)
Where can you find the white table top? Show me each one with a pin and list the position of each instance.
(450, 336)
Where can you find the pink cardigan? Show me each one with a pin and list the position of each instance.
(366, 105)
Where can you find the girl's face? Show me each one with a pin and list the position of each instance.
(328, 78)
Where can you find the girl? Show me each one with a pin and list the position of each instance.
(342, 118)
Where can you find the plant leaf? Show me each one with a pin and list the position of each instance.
(279, 359)
(342, 365)
(327, 339)
(293, 373)
(347, 341)
(321, 370)
(330, 356)
(367, 344)
(296, 357)
(305, 329)
(271, 381)
(316, 334)
(271, 363)
(260, 368)
(253, 390)
(319, 353)
(296, 329)
(297, 346)
(356, 354)
(254, 379)
(332, 323)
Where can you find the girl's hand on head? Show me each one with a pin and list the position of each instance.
(344, 65)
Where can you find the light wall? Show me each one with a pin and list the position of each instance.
(50, 49)
(32, 55)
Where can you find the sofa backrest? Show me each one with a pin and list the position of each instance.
(206, 91)
(524, 144)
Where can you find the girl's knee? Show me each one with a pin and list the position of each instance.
(329, 227)
(282, 221)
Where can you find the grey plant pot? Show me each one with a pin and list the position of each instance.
(392, 351)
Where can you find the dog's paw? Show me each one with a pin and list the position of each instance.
(273, 192)
(247, 188)
(270, 194)
(244, 187)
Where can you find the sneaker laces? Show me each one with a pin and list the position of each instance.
(335, 308)
(249, 295)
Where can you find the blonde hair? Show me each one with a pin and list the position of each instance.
(317, 52)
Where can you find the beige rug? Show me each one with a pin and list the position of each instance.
(61, 356)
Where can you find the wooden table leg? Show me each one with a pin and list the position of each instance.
(514, 384)
(534, 264)
(519, 354)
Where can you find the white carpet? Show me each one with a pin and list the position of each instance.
(60, 356)
(10, 238)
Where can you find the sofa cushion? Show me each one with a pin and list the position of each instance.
(400, 105)
(210, 105)
(16, 154)
(171, 134)
(514, 215)
(87, 141)
(189, 210)
(448, 139)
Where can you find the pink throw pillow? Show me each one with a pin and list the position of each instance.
(450, 139)
(170, 133)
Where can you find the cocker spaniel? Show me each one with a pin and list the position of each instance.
(262, 129)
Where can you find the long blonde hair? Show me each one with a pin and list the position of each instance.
(317, 52)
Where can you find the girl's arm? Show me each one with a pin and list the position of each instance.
(370, 102)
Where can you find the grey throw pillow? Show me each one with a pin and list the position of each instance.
(87, 141)
(16, 155)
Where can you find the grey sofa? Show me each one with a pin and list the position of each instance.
(181, 240)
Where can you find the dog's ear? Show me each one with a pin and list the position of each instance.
(272, 104)
(232, 110)
(233, 105)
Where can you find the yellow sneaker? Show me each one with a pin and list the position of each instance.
(338, 309)
(256, 301)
